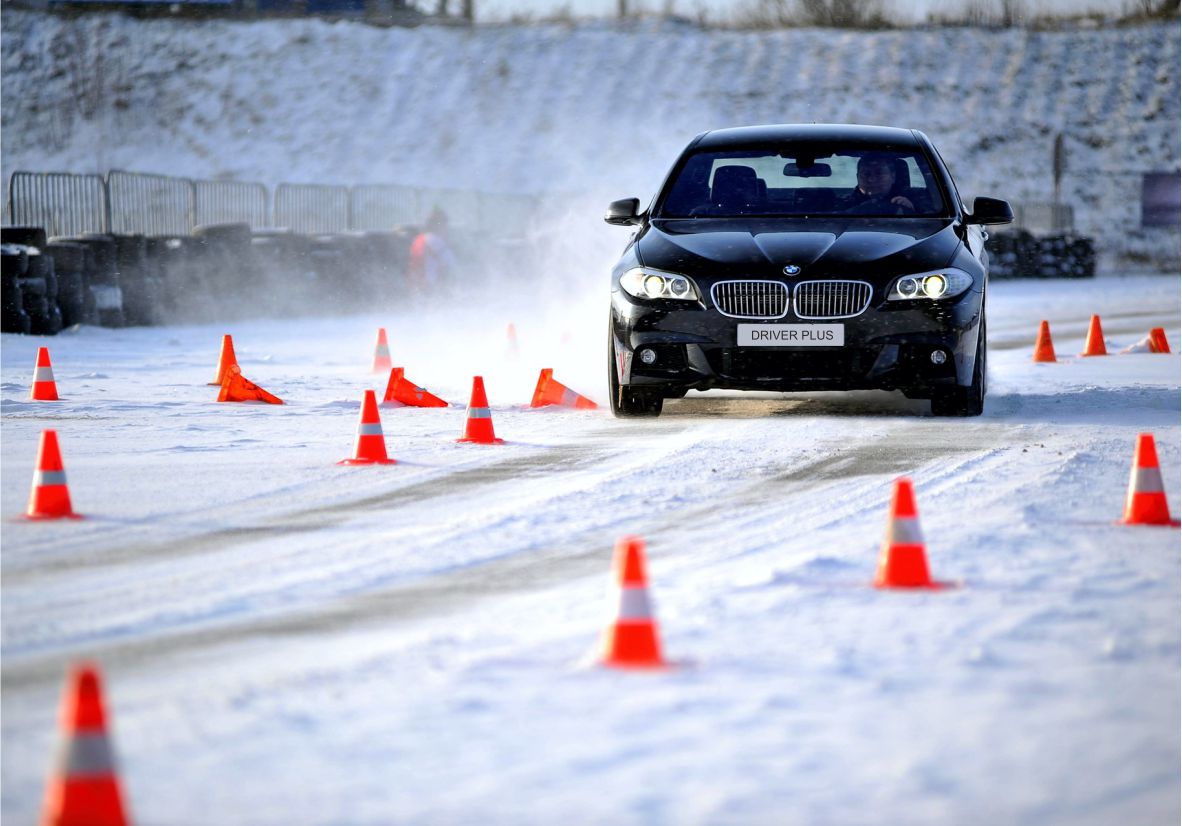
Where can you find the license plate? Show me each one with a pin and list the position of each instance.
(791, 335)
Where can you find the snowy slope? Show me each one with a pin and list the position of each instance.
(287, 641)
(589, 107)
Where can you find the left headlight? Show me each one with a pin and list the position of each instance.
(642, 282)
(945, 283)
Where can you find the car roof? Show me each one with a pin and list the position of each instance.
(818, 132)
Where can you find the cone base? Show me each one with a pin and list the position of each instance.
(45, 517)
(356, 461)
(482, 441)
(1171, 523)
(934, 585)
(656, 665)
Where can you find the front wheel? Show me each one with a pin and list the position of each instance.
(629, 402)
(965, 401)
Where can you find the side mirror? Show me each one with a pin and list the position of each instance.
(623, 213)
(991, 211)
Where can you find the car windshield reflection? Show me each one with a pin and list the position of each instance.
(795, 181)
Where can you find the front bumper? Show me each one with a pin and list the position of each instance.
(887, 347)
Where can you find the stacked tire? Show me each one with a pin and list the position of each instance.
(14, 319)
(73, 263)
(106, 291)
(35, 279)
(227, 268)
(1019, 254)
(287, 280)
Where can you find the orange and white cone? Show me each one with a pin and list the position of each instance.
(44, 388)
(631, 639)
(1095, 344)
(1146, 503)
(903, 561)
(381, 353)
(225, 358)
(237, 388)
(370, 448)
(551, 391)
(1044, 349)
(50, 497)
(403, 391)
(478, 427)
(1158, 343)
(84, 788)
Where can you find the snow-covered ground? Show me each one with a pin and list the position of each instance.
(595, 107)
(289, 641)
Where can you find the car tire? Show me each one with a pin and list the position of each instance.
(629, 402)
(965, 401)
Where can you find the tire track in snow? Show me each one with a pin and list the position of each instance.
(584, 553)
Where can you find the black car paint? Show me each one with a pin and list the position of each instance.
(887, 346)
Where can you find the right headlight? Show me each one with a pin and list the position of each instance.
(946, 283)
(643, 282)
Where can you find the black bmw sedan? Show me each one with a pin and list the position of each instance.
(803, 257)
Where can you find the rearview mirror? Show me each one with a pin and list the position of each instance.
(991, 211)
(813, 170)
(623, 213)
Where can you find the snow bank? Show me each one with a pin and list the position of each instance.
(590, 107)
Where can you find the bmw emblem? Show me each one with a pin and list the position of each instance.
(792, 269)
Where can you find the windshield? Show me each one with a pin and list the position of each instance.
(804, 180)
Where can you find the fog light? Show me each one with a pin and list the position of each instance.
(939, 357)
(648, 356)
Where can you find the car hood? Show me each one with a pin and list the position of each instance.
(729, 248)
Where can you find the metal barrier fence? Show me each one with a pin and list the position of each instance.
(134, 203)
(231, 202)
(312, 207)
(378, 207)
(150, 204)
(62, 203)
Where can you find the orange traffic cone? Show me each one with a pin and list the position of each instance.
(479, 426)
(631, 641)
(50, 498)
(238, 388)
(44, 388)
(381, 353)
(1146, 503)
(399, 389)
(511, 335)
(1044, 350)
(551, 391)
(370, 448)
(1158, 342)
(1095, 344)
(225, 359)
(84, 788)
(903, 562)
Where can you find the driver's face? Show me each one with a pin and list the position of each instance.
(875, 177)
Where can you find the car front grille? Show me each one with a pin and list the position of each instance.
(831, 299)
(751, 299)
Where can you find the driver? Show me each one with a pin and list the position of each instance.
(876, 180)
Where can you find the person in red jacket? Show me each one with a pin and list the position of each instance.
(431, 259)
